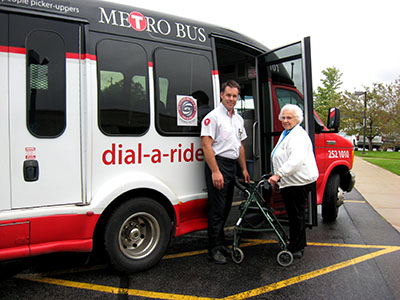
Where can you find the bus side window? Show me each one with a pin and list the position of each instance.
(123, 95)
(289, 97)
(181, 73)
(46, 105)
(162, 100)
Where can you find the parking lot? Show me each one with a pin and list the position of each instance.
(357, 257)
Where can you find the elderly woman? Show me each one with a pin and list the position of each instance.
(294, 171)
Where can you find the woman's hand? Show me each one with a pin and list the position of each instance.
(274, 179)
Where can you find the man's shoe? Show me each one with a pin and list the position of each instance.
(225, 250)
(217, 257)
(298, 254)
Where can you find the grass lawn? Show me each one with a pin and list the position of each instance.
(387, 160)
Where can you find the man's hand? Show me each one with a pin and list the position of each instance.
(218, 180)
(246, 176)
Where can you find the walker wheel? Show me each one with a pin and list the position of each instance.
(284, 258)
(237, 255)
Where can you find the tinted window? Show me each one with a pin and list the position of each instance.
(123, 96)
(289, 97)
(46, 84)
(183, 91)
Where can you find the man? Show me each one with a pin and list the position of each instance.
(222, 133)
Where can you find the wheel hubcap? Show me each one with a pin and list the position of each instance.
(139, 235)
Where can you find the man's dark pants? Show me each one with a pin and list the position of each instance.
(219, 201)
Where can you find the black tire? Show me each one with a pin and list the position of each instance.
(137, 235)
(333, 192)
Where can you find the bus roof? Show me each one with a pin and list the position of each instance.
(109, 17)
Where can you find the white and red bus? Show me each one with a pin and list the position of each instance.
(100, 122)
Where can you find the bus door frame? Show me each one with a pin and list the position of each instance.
(264, 65)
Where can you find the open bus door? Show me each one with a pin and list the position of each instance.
(284, 76)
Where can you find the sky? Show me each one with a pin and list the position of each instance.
(359, 38)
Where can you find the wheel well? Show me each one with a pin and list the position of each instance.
(342, 171)
(98, 236)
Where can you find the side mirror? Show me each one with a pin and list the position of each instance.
(334, 119)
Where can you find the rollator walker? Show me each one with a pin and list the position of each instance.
(255, 201)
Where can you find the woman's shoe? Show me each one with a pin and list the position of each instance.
(298, 254)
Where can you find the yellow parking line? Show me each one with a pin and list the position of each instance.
(254, 242)
(251, 242)
(184, 254)
(109, 289)
(310, 275)
(355, 201)
(242, 295)
(353, 245)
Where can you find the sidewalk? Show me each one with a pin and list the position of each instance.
(380, 188)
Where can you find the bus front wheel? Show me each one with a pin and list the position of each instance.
(137, 235)
(333, 195)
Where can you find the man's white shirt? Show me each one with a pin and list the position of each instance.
(226, 131)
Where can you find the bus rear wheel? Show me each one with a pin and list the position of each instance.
(137, 235)
(333, 195)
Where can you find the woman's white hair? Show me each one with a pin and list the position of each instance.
(296, 110)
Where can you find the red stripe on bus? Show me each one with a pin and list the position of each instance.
(3, 48)
(71, 55)
(17, 50)
(89, 56)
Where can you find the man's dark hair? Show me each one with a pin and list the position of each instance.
(231, 84)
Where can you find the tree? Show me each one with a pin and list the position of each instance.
(352, 109)
(382, 108)
(390, 94)
(328, 95)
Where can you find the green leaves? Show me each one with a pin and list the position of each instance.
(382, 106)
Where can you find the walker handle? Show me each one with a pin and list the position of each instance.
(240, 184)
(266, 184)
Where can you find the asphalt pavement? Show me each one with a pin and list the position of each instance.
(380, 188)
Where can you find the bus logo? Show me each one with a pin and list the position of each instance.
(137, 21)
(187, 111)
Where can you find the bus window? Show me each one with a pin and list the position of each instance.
(123, 95)
(109, 78)
(163, 88)
(46, 84)
(286, 96)
(245, 105)
(289, 97)
(181, 73)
